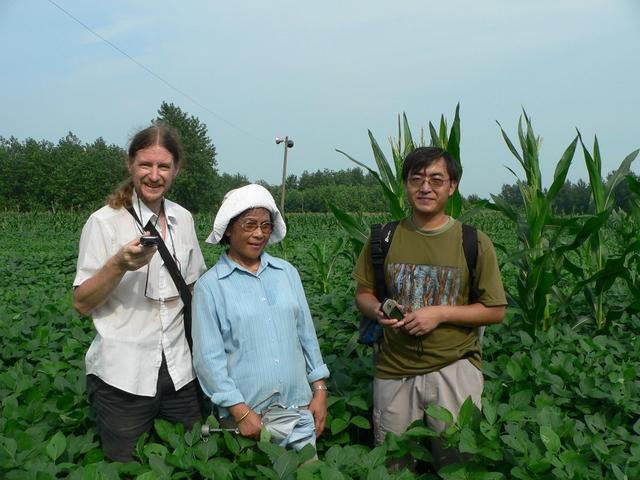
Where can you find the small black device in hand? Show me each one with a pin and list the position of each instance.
(149, 240)
(391, 309)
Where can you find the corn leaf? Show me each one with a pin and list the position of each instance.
(503, 207)
(591, 226)
(634, 184)
(435, 139)
(453, 143)
(595, 173)
(562, 168)
(394, 198)
(510, 145)
(619, 175)
(409, 146)
(383, 165)
(454, 205)
(357, 230)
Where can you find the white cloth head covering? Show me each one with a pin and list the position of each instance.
(244, 198)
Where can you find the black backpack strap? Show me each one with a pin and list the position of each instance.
(387, 235)
(377, 260)
(470, 247)
(176, 276)
(381, 237)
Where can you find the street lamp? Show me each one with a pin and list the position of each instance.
(288, 143)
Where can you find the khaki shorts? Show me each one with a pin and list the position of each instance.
(397, 403)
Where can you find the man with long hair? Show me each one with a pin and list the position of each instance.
(139, 364)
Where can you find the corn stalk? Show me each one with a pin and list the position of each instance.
(389, 174)
(541, 251)
(324, 259)
(605, 270)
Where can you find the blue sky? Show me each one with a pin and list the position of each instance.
(325, 72)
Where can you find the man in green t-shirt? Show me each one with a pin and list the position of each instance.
(431, 355)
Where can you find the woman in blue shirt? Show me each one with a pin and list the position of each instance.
(256, 353)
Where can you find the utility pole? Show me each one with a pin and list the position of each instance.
(288, 143)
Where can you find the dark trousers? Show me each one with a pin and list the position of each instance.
(122, 417)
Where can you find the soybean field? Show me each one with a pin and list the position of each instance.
(561, 399)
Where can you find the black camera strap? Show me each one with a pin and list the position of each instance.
(176, 276)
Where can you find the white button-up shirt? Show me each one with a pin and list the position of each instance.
(134, 328)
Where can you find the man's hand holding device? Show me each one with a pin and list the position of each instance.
(393, 313)
(149, 240)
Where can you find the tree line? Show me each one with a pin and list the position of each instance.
(70, 174)
(573, 198)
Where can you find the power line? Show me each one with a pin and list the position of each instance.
(154, 74)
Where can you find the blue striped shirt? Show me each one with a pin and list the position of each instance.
(253, 336)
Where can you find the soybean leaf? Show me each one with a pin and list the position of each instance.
(286, 464)
(468, 442)
(358, 402)
(375, 457)
(550, 439)
(273, 451)
(361, 422)
(163, 428)
(155, 449)
(466, 412)
(378, 473)
(439, 413)
(420, 431)
(150, 475)
(56, 446)
(231, 443)
(338, 425)
(306, 454)
(206, 450)
(268, 472)
(490, 411)
(158, 465)
(599, 447)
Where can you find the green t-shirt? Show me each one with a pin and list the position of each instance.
(429, 268)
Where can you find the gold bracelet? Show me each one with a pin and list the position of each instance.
(243, 416)
(320, 386)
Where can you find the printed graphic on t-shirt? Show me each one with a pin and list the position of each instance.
(416, 286)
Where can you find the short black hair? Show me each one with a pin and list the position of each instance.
(422, 157)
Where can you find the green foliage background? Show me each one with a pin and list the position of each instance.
(562, 404)
(562, 393)
(70, 174)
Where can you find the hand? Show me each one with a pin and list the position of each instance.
(251, 425)
(389, 322)
(133, 256)
(423, 320)
(249, 422)
(318, 408)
